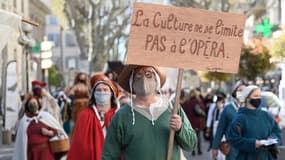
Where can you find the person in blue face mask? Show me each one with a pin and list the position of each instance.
(94, 121)
(254, 133)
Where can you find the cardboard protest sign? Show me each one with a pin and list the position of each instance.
(185, 38)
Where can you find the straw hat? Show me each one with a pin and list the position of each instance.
(124, 77)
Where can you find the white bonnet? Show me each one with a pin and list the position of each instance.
(237, 84)
(246, 92)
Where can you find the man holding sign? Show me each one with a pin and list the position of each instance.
(170, 37)
(140, 130)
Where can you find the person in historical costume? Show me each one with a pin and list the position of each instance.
(93, 122)
(79, 95)
(195, 110)
(35, 129)
(48, 102)
(140, 130)
(213, 116)
(229, 112)
(65, 109)
(251, 127)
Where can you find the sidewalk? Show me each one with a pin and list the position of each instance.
(282, 147)
(6, 152)
(205, 156)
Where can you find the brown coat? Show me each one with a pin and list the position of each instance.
(80, 94)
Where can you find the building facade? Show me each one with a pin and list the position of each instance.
(13, 51)
(66, 53)
(33, 10)
(38, 11)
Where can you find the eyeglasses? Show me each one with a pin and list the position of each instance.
(147, 73)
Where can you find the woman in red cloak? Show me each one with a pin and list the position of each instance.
(34, 132)
(92, 124)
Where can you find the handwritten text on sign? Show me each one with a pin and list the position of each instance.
(185, 38)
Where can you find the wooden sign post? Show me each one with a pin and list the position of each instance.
(174, 111)
(185, 38)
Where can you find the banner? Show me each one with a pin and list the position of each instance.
(185, 38)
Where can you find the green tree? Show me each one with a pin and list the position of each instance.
(253, 7)
(54, 78)
(215, 76)
(253, 65)
(278, 46)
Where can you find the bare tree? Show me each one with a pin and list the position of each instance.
(249, 7)
(222, 5)
(99, 26)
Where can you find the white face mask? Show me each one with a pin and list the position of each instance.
(102, 98)
(144, 86)
(238, 95)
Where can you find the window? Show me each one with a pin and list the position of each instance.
(70, 40)
(55, 38)
(52, 20)
(71, 62)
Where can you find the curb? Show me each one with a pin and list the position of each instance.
(1, 128)
(281, 152)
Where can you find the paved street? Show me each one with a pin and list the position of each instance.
(6, 152)
(204, 156)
